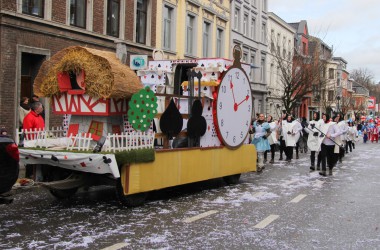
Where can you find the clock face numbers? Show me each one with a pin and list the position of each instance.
(234, 107)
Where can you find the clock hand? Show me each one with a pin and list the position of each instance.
(236, 105)
(232, 89)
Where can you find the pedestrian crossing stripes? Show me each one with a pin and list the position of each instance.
(200, 216)
(266, 221)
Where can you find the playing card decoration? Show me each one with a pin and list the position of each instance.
(196, 127)
(171, 120)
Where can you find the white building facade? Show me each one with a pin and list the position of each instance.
(249, 28)
(281, 47)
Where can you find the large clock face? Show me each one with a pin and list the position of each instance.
(234, 108)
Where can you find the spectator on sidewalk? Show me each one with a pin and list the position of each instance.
(23, 110)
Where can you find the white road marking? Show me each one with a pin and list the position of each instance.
(298, 198)
(266, 221)
(200, 216)
(290, 182)
(318, 183)
(116, 246)
(257, 194)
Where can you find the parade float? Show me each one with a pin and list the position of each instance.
(173, 123)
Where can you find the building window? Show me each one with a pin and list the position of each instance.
(113, 17)
(206, 39)
(78, 13)
(252, 73)
(219, 42)
(245, 57)
(253, 28)
(141, 21)
(304, 48)
(190, 26)
(263, 70)
(96, 130)
(237, 19)
(168, 22)
(245, 25)
(264, 32)
(33, 7)
(330, 96)
(331, 73)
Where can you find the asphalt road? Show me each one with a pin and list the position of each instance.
(284, 207)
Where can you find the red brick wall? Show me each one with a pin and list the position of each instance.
(129, 20)
(31, 33)
(9, 5)
(58, 13)
(98, 16)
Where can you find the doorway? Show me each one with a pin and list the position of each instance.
(30, 64)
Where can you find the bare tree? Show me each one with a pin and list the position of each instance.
(347, 103)
(362, 76)
(297, 75)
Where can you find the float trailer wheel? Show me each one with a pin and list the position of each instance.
(232, 179)
(132, 200)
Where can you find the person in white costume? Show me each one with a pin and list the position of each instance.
(291, 131)
(272, 139)
(313, 142)
(330, 134)
(351, 136)
(342, 140)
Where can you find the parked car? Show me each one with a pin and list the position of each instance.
(9, 166)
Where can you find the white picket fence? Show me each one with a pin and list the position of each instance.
(39, 136)
(126, 142)
(80, 142)
(83, 142)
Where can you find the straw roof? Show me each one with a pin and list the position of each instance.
(106, 76)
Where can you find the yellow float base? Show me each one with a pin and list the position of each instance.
(182, 166)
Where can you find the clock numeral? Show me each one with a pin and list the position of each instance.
(230, 77)
(246, 124)
(234, 139)
(249, 108)
(248, 92)
(244, 80)
(237, 75)
(224, 89)
(220, 105)
(226, 134)
(222, 123)
(241, 134)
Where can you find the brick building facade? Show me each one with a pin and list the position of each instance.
(32, 31)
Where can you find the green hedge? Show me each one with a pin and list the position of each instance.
(135, 156)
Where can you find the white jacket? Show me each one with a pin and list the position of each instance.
(294, 128)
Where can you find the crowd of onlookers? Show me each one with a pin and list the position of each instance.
(327, 138)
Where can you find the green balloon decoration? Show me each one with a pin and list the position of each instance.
(142, 109)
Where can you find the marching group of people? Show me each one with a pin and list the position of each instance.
(327, 138)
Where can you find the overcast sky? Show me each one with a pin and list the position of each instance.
(351, 27)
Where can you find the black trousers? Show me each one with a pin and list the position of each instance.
(282, 147)
(349, 145)
(341, 153)
(327, 156)
(289, 152)
(272, 150)
(312, 158)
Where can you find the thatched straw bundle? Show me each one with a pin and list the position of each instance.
(106, 76)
